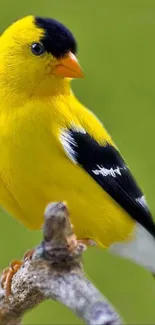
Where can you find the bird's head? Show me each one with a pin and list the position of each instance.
(37, 55)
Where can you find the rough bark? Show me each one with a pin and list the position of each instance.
(56, 272)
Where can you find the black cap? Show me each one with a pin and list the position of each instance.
(57, 40)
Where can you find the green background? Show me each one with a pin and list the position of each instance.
(117, 52)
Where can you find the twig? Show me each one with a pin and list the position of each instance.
(56, 272)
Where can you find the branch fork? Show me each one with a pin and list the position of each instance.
(56, 272)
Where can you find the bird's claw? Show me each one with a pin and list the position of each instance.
(88, 242)
(8, 273)
(73, 243)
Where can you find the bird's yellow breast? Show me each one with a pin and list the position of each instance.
(34, 170)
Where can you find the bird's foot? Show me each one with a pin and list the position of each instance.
(88, 242)
(8, 273)
(73, 242)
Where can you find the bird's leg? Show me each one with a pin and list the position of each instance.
(8, 273)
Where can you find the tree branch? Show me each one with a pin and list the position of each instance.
(56, 272)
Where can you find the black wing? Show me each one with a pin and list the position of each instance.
(105, 164)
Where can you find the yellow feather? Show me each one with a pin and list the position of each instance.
(34, 170)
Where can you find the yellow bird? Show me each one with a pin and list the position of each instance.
(54, 149)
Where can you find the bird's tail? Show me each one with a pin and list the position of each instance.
(141, 249)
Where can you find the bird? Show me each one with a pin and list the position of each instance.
(53, 148)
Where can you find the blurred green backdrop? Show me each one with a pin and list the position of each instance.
(117, 51)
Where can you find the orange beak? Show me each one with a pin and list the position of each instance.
(68, 67)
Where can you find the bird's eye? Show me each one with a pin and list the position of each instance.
(37, 48)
